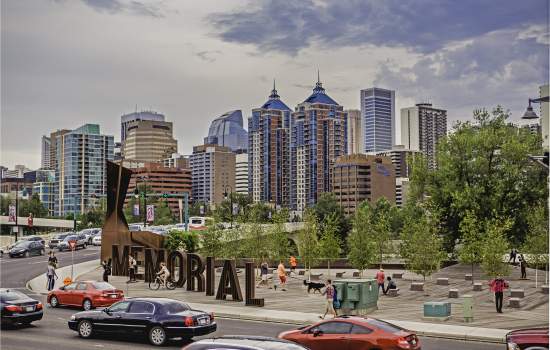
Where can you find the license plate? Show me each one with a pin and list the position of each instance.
(203, 321)
(29, 308)
(113, 296)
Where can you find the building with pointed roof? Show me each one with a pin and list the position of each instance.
(227, 131)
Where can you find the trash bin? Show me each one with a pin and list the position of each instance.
(468, 305)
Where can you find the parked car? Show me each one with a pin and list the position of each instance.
(158, 318)
(81, 242)
(243, 342)
(357, 332)
(528, 339)
(89, 233)
(25, 249)
(58, 238)
(97, 239)
(85, 294)
(135, 227)
(16, 307)
(35, 239)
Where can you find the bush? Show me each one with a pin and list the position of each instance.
(179, 239)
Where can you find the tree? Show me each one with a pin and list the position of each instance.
(326, 206)
(180, 239)
(255, 240)
(329, 244)
(536, 243)
(495, 246)
(163, 214)
(361, 249)
(308, 239)
(211, 241)
(32, 205)
(471, 241)
(278, 238)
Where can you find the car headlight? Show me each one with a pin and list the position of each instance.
(73, 317)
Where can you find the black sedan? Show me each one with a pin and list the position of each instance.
(26, 249)
(158, 318)
(16, 307)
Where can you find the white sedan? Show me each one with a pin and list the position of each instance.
(96, 240)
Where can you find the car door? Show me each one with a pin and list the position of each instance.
(111, 319)
(360, 338)
(328, 335)
(139, 315)
(79, 293)
(65, 295)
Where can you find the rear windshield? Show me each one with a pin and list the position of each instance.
(384, 326)
(102, 286)
(22, 243)
(61, 236)
(175, 307)
(70, 238)
(8, 296)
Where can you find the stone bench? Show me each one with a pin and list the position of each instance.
(514, 302)
(544, 289)
(442, 282)
(301, 273)
(340, 274)
(453, 293)
(393, 292)
(316, 277)
(417, 286)
(478, 287)
(356, 274)
(468, 277)
(437, 310)
(517, 293)
(396, 275)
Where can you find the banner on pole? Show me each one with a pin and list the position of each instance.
(12, 213)
(150, 213)
(136, 210)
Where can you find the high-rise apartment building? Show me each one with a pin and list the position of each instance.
(399, 156)
(80, 173)
(268, 152)
(378, 119)
(53, 146)
(176, 161)
(149, 141)
(544, 115)
(422, 126)
(212, 172)
(241, 173)
(126, 119)
(227, 130)
(354, 132)
(401, 191)
(318, 137)
(361, 177)
(45, 152)
(43, 187)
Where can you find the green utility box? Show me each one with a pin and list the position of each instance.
(468, 305)
(357, 296)
(437, 309)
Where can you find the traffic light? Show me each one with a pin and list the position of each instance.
(165, 195)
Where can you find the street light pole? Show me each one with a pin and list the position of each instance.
(16, 208)
(230, 200)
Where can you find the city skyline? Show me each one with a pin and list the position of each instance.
(187, 70)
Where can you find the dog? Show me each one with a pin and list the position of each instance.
(313, 285)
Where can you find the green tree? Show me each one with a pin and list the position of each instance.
(326, 206)
(180, 239)
(308, 239)
(471, 241)
(212, 241)
(495, 246)
(163, 214)
(536, 243)
(361, 249)
(32, 205)
(329, 244)
(255, 240)
(278, 238)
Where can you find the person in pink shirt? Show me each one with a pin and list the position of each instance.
(498, 285)
(380, 278)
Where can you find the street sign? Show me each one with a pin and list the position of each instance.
(72, 244)
(67, 280)
(136, 210)
(150, 213)
(11, 213)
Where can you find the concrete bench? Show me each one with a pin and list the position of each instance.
(417, 286)
(356, 274)
(316, 277)
(514, 302)
(453, 293)
(301, 273)
(544, 289)
(340, 274)
(468, 277)
(478, 287)
(517, 293)
(437, 310)
(442, 282)
(397, 275)
(393, 292)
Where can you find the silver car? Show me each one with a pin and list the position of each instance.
(81, 242)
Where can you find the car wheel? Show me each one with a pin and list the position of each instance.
(157, 336)
(87, 304)
(26, 255)
(54, 302)
(42, 252)
(85, 329)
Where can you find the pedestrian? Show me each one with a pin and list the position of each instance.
(391, 285)
(513, 254)
(329, 296)
(281, 272)
(263, 274)
(498, 285)
(52, 258)
(293, 263)
(106, 270)
(51, 275)
(380, 277)
(523, 266)
(132, 264)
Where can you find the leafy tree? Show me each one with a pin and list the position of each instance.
(495, 246)
(472, 241)
(34, 206)
(536, 243)
(255, 240)
(212, 241)
(180, 239)
(278, 238)
(309, 239)
(163, 214)
(326, 206)
(361, 249)
(329, 244)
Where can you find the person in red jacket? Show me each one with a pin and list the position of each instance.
(498, 285)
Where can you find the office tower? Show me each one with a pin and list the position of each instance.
(378, 119)
(126, 119)
(318, 137)
(212, 173)
(53, 146)
(401, 191)
(544, 115)
(80, 174)
(227, 130)
(176, 161)
(18, 171)
(354, 145)
(241, 173)
(399, 156)
(45, 152)
(422, 126)
(149, 141)
(360, 177)
(268, 152)
(162, 180)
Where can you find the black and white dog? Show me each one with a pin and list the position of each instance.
(313, 285)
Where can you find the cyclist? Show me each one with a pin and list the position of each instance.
(163, 274)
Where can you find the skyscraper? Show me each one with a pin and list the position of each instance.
(422, 126)
(137, 116)
(227, 130)
(80, 174)
(241, 173)
(318, 137)
(45, 152)
(149, 141)
(378, 119)
(53, 146)
(268, 152)
(354, 131)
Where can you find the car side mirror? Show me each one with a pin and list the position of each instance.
(107, 311)
(317, 333)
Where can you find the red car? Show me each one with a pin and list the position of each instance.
(86, 294)
(527, 339)
(353, 333)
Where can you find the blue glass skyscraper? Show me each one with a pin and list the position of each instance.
(378, 119)
(227, 130)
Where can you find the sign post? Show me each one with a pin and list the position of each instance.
(72, 244)
(150, 213)
(11, 214)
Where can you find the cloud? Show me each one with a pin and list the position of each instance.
(208, 56)
(119, 6)
(423, 25)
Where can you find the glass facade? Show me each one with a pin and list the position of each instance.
(378, 116)
(227, 130)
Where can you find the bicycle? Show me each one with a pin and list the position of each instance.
(155, 285)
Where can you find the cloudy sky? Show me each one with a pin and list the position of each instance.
(70, 62)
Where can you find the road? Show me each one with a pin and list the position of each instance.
(52, 333)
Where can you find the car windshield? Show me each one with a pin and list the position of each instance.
(22, 244)
(102, 286)
(9, 296)
(70, 238)
(61, 236)
(175, 307)
(388, 327)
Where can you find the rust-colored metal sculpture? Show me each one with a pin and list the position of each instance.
(250, 288)
(229, 282)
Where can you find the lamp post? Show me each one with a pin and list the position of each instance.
(136, 192)
(225, 194)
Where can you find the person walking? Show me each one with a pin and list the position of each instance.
(51, 275)
(329, 296)
(106, 270)
(132, 264)
(513, 254)
(380, 277)
(263, 274)
(293, 263)
(523, 267)
(52, 258)
(498, 285)
(281, 272)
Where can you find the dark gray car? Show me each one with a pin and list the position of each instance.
(26, 249)
(244, 342)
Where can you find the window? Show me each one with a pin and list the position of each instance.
(82, 286)
(388, 327)
(121, 306)
(360, 330)
(10, 295)
(103, 286)
(175, 307)
(140, 307)
(334, 328)
(71, 286)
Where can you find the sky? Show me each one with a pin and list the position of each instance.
(65, 63)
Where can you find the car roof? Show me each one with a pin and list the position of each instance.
(251, 342)
(162, 301)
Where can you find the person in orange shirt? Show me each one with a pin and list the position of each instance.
(293, 264)
(281, 272)
(380, 277)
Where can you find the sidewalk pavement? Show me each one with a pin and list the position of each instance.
(39, 283)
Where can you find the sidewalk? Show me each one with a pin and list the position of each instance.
(39, 283)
